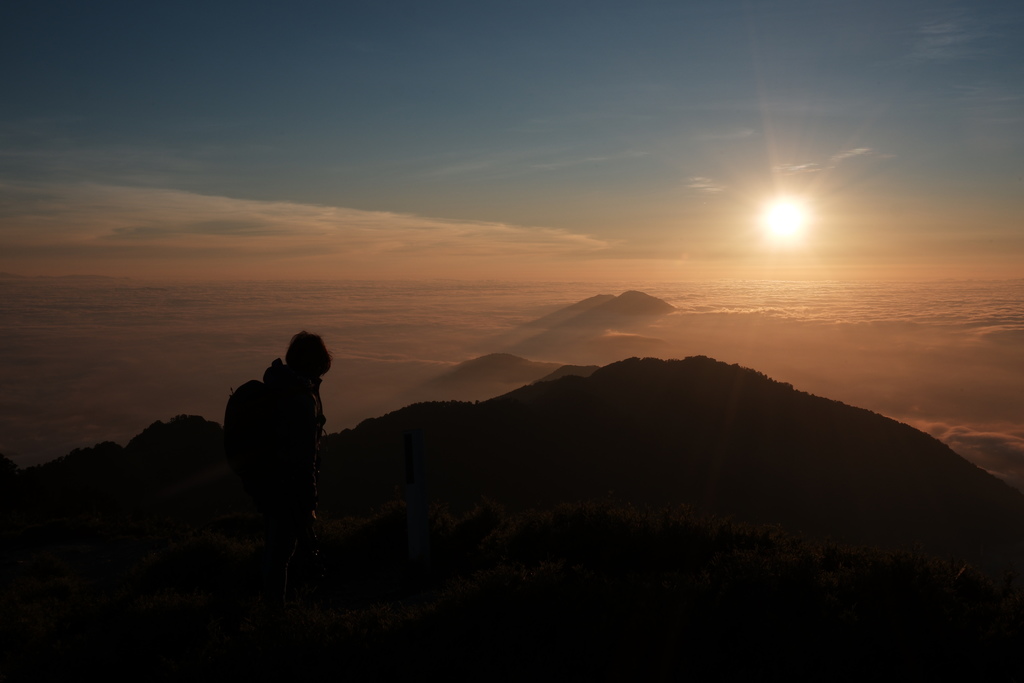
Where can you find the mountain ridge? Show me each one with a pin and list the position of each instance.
(724, 439)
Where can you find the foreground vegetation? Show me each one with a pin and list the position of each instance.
(579, 592)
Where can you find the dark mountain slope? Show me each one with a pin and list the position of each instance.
(175, 468)
(724, 438)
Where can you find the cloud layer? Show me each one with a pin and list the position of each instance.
(999, 451)
(93, 359)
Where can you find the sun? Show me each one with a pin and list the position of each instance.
(784, 219)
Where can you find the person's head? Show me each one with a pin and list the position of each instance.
(307, 355)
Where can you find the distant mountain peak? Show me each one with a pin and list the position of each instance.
(571, 311)
(635, 294)
(603, 309)
(634, 303)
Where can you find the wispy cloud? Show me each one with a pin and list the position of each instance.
(993, 104)
(705, 185)
(850, 154)
(948, 38)
(107, 222)
(794, 169)
(832, 162)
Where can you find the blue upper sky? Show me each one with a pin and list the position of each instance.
(655, 128)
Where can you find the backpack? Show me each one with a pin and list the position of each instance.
(249, 420)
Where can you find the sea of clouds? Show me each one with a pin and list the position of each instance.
(94, 359)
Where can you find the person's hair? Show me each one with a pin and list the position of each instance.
(308, 355)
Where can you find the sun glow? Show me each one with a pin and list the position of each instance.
(784, 220)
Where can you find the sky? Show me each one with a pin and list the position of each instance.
(531, 140)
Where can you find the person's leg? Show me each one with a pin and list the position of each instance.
(313, 566)
(279, 546)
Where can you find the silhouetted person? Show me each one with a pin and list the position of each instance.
(288, 495)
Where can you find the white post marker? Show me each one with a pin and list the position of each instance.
(416, 501)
